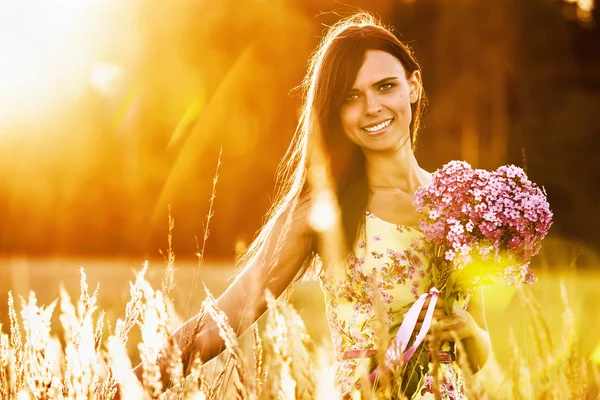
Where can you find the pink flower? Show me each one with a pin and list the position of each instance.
(434, 214)
(428, 383)
(414, 290)
(527, 275)
(515, 276)
(499, 216)
(411, 272)
(469, 226)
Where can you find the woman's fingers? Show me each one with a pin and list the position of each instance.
(437, 313)
(440, 337)
(441, 324)
(438, 304)
(445, 330)
(441, 321)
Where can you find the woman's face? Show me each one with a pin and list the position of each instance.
(376, 114)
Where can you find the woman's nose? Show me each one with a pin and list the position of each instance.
(373, 106)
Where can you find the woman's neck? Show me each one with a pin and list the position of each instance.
(398, 171)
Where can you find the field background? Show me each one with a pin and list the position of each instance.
(503, 305)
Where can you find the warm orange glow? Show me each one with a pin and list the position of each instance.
(107, 78)
(596, 355)
(584, 9)
(37, 39)
(322, 217)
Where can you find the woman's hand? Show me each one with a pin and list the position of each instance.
(447, 328)
(468, 326)
(451, 328)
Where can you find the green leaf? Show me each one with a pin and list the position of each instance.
(449, 287)
(411, 378)
(434, 273)
(423, 360)
(413, 372)
(448, 303)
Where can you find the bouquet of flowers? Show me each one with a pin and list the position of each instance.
(481, 227)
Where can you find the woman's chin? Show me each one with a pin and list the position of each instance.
(386, 143)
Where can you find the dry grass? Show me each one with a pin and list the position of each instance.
(283, 364)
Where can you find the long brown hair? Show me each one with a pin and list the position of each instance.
(332, 70)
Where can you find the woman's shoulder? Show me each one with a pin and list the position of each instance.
(295, 218)
(301, 206)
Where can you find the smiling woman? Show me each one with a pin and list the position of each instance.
(362, 106)
(381, 109)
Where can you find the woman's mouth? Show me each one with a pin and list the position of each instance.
(373, 129)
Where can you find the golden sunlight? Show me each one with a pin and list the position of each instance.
(37, 39)
(584, 9)
(322, 215)
(106, 78)
(596, 355)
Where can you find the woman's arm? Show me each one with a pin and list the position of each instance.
(244, 300)
(476, 343)
(468, 326)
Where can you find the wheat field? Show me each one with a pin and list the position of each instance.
(71, 335)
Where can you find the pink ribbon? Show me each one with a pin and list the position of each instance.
(401, 339)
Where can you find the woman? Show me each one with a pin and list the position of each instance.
(362, 107)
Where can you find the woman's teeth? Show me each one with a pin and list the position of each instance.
(378, 127)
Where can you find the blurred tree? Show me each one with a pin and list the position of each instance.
(94, 173)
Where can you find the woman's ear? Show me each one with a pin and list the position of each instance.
(414, 83)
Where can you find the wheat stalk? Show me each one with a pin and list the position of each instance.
(228, 335)
(214, 390)
(258, 361)
(5, 364)
(168, 281)
(17, 345)
(133, 307)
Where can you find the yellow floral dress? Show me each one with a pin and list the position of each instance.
(392, 258)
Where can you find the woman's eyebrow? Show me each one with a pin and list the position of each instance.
(379, 82)
(384, 80)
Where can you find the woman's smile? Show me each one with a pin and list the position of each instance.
(377, 128)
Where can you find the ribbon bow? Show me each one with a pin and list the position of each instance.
(401, 339)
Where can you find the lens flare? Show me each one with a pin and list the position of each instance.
(322, 217)
(37, 39)
(596, 355)
(107, 78)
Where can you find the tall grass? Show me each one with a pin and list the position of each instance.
(284, 363)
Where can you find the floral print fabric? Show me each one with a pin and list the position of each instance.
(390, 262)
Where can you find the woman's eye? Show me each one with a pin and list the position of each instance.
(351, 97)
(386, 86)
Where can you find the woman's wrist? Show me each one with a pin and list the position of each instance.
(477, 347)
(473, 329)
